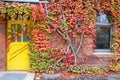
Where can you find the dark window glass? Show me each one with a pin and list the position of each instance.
(102, 37)
(18, 30)
(25, 33)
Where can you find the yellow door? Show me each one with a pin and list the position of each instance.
(18, 49)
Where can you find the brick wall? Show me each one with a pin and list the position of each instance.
(85, 52)
(2, 48)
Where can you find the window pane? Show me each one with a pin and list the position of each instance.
(25, 34)
(103, 38)
(18, 30)
(102, 18)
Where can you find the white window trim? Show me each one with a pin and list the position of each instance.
(103, 24)
(104, 51)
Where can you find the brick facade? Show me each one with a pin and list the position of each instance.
(2, 47)
(86, 51)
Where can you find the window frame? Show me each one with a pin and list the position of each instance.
(9, 26)
(104, 51)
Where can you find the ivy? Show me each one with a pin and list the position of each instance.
(88, 69)
(15, 11)
(61, 17)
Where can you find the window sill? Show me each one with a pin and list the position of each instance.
(103, 51)
(103, 24)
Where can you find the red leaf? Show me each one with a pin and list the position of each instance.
(41, 8)
(55, 26)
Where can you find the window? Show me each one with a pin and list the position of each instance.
(103, 34)
(17, 30)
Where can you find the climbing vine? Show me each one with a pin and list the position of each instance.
(112, 8)
(65, 14)
(71, 19)
(15, 11)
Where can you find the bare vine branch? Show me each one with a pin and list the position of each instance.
(80, 44)
(68, 38)
(59, 32)
(61, 59)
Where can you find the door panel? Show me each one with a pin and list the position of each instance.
(17, 56)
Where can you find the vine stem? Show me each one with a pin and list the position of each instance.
(61, 59)
(70, 46)
(68, 38)
(81, 39)
(59, 32)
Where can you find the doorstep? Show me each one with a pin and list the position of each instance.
(26, 75)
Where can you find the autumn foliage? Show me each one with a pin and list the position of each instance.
(61, 16)
(38, 12)
(40, 40)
